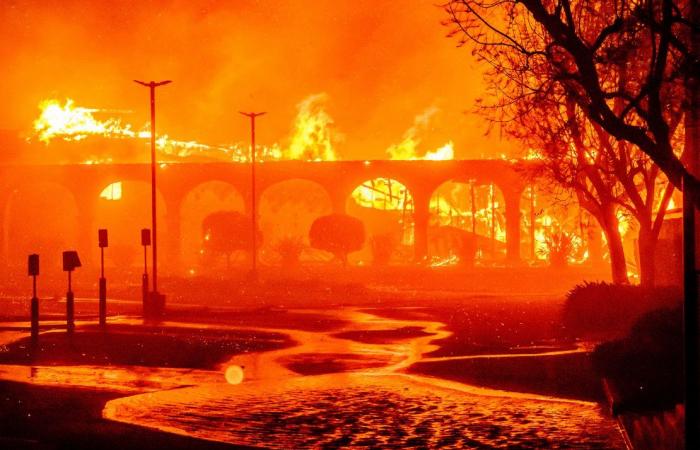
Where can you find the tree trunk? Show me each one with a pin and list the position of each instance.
(618, 264)
(647, 252)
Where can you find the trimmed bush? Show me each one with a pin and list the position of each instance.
(338, 234)
(611, 309)
(646, 367)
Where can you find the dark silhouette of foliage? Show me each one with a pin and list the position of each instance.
(338, 234)
(557, 248)
(631, 67)
(610, 309)
(646, 367)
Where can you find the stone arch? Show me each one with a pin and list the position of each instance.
(201, 200)
(124, 215)
(476, 207)
(41, 217)
(286, 210)
(386, 207)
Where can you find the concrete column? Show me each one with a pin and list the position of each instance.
(421, 216)
(172, 263)
(338, 200)
(4, 231)
(86, 244)
(512, 213)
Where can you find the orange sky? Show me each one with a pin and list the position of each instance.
(380, 63)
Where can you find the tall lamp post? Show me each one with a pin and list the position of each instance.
(152, 85)
(254, 212)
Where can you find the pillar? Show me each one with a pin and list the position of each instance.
(512, 214)
(421, 217)
(172, 262)
(5, 198)
(338, 200)
(86, 245)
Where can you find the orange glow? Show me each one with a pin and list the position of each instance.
(234, 374)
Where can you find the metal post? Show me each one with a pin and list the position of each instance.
(70, 307)
(152, 85)
(144, 281)
(493, 221)
(690, 325)
(473, 204)
(103, 290)
(533, 246)
(691, 309)
(35, 312)
(254, 212)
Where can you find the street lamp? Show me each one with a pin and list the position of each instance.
(152, 85)
(254, 214)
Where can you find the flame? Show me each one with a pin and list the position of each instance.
(112, 192)
(74, 123)
(387, 194)
(446, 152)
(407, 149)
(383, 193)
(533, 154)
(312, 138)
(313, 135)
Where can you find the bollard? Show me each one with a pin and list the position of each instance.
(71, 261)
(102, 242)
(35, 320)
(70, 312)
(33, 264)
(103, 302)
(144, 293)
(145, 242)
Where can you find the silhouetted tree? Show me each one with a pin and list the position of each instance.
(558, 247)
(338, 234)
(225, 232)
(609, 177)
(587, 47)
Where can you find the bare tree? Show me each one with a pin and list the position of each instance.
(588, 47)
(610, 178)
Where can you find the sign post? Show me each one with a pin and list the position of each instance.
(103, 242)
(145, 241)
(33, 264)
(71, 261)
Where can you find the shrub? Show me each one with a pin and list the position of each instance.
(646, 367)
(339, 234)
(557, 249)
(604, 308)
